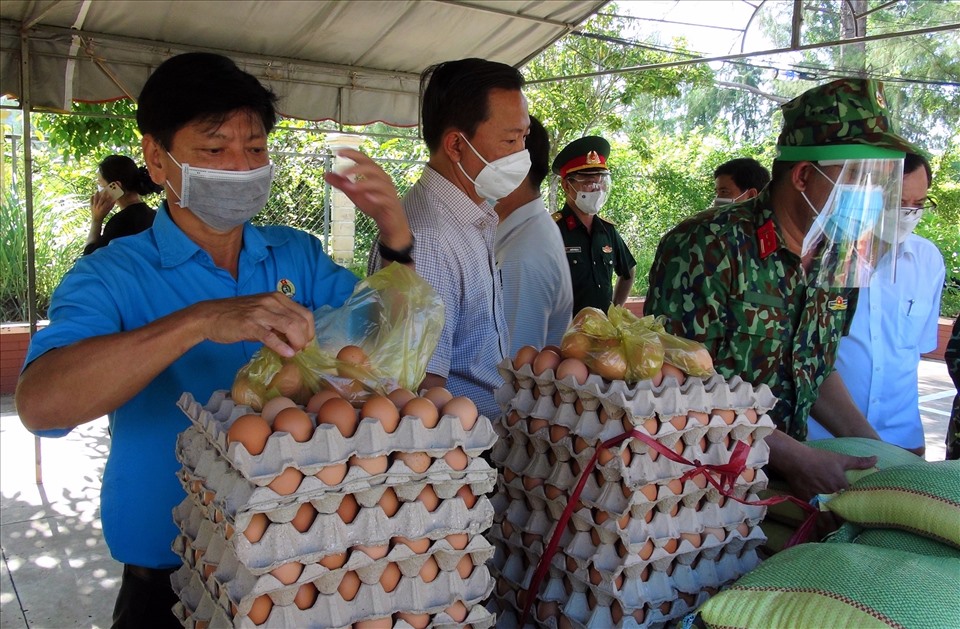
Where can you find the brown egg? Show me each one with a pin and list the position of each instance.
(260, 610)
(748, 475)
(389, 502)
(306, 596)
(318, 398)
(340, 413)
(390, 577)
(751, 415)
(464, 408)
(288, 573)
(547, 609)
(671, 545)
(380, 408)
(573, 367)
(287, 482)
(424, 409)
(580, 444)
(657, 378)
(348, 509)
(294, 421)
(429, 570)
(256, 528)
(274, 406)
(675, 486)
(717, 532)
(304, 517)
(679, 422)
(457, 459)
(418, 462)
(334, 561)
(646, 550)
(429, 498)
(349, 585)
(552, 492)
(512, 418)
(417, 621)
(508, 475)
(458, 611)
(418, 546)
(465, 567)
(332, 474)
(531, 482)
(674, 372)
(557, 433)
(525, 356)
(438, 395)
(353, 354)
(288, 381)
(693, 538)
(373, 551)
(547, 359)
(372, 465)
(459, 541)
(399, 397)
(468, 497)
(250, 430)
(534, 424)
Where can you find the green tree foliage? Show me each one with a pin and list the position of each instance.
(94, 129)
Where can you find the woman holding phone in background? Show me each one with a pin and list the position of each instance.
(120, 183)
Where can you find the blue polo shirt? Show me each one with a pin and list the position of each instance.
(136, 280)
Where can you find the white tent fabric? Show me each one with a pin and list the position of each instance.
(354, 62)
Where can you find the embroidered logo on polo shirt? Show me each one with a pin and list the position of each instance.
(767, 239)
(837, 304)
(607, 249)
(286, 287)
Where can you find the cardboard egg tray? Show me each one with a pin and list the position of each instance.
(224, 489)
(328, 446)
(198, 604)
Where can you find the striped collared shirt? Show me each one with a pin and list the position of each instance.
(454, 252)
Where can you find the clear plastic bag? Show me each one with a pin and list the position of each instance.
(394, 317)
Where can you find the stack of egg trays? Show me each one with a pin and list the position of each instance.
(227, 486)
(622, 547)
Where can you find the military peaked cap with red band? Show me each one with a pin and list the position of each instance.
(585, 154)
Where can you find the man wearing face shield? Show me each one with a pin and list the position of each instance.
(768, 285)
(595, 251)
(896, 320)
(474, 120)
(182, 306)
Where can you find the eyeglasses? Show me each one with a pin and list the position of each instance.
(581, 179)
(929, 206)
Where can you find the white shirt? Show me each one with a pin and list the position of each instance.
(894, 323)
(535, 277)
(454, 254)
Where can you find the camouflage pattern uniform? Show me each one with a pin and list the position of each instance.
(952, 356)
(756, 314)
(725, 278)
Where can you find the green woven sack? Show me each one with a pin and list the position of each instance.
(840, 585)
(923, 498)
(894, 539)
(888, 455)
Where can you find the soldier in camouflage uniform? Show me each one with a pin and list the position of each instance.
(733, 278)
(952, 356)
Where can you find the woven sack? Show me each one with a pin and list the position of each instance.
(792, 516)
(894, 539)
(840, 585)
(923, 498)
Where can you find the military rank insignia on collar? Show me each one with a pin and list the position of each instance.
(767, 238)
(837, 304)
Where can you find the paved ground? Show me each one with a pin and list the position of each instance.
(56, 569)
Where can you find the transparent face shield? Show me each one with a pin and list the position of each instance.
(850, 232)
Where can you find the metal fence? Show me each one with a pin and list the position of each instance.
(301, 198)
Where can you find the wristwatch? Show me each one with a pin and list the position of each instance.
(392, 255)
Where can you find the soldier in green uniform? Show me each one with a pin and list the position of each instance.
(595, 251)
(741, 280)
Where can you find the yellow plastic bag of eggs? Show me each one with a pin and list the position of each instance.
(621, 346)
(380, 339)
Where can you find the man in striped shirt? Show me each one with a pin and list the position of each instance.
(475, 123)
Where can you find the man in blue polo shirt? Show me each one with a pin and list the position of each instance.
(183, 305)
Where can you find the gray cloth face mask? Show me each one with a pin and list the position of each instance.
(223, 199)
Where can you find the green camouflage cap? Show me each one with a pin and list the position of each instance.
(843, 119)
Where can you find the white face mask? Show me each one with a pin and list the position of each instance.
(718, 201)
(499, 177)
(903, 227)
(223, 199)
(591, 202)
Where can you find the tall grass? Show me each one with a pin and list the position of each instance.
(59, 230)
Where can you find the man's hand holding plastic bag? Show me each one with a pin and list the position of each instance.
(394, 318)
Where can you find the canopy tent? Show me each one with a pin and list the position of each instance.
(352, 62)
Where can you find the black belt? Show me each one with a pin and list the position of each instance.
(150, 574)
